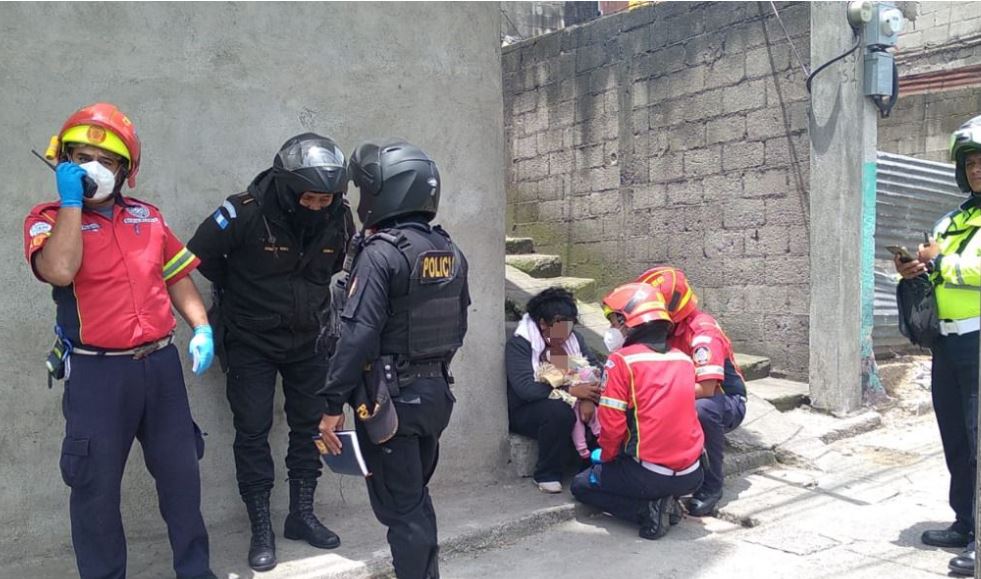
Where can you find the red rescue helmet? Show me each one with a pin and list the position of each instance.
(104, 126)
(675, 290)
(637, 303)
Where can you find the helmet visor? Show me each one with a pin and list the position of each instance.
(311, 154)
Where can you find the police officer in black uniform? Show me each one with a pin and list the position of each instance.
(270, 253)
(407, 304)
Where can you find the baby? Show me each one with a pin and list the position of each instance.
(579, 372)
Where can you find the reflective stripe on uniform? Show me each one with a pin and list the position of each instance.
(701, 340)
(613, 403)
(703, 370)
(656, 357)
(177, 263)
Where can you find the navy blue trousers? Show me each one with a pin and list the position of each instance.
(623, 487)
(954, 380)
(718, 415)
(108, 402)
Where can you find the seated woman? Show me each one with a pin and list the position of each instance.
(545, 336)
(650, 438)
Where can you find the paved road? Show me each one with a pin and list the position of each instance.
(859, 518)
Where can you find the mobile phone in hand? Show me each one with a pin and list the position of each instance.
(901, 252)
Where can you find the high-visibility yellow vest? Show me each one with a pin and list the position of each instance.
(958, 279)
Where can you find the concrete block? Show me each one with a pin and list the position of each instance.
(536, 264)
(745, 96)
(703, 162)
(725, 129)
(651, 195)
(688, 192)
(763, 428)
(722, 187)
(720, 244)
(787, 210)
(784, 395)
(726, 71)
(525, 147)
(523, 453)
(519, 245)
(767, 241)
(738, 462)
(703, 50)
(737, 156)
(765, 183)
(753, 367)
(742, 213)
(687, 136)
(667, 167)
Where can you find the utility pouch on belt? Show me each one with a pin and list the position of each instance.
(376, 410)
(57, 361)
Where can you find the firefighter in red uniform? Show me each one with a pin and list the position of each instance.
(650, 439)
(116, 269)
(721, 390)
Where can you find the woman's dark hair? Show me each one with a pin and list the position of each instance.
(553, 304)
(654, 335)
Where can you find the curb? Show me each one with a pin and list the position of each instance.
(475, 540)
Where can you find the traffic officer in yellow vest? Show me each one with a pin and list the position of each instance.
(953, 261)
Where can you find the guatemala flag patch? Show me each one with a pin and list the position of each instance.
(220, 219)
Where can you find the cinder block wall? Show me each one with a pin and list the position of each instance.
(944, 37)
(673, 133)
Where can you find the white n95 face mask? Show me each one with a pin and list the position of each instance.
(613, 339)
(103, 177)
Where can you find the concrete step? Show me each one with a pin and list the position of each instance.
(783, 394)
(753, 367)
(536, 264)
(520, 287)
(518, 245)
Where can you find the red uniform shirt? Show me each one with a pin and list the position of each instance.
(118, 299)
(647, 409)
(700, 337)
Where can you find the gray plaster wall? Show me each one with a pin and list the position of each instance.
(672, 133)
(213, 90)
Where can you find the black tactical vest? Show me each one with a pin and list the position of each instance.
(426, 322)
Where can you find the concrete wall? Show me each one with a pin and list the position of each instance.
(920, 125)
(520, 20)
(672, 133)
(944, 37)
(214, 89)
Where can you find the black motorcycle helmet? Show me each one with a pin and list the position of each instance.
(966, 139)
(309, 162)
(395, 178)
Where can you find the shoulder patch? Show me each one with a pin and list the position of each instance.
(219, 218)
(609, 363)
(39, 228)
(701, 355)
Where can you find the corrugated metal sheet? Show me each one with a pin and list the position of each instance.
(911, 195)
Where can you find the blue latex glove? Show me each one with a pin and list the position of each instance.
(70, 184)
(202, 349)
(594, 456)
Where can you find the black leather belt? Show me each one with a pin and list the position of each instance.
(412, 371)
